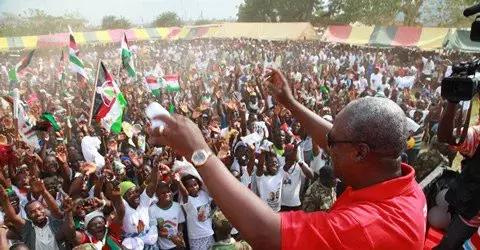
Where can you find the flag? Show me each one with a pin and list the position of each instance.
(48, 117)
(25, 125)
(127, 59)
(154, 84)
(76, 64)
(23, 64)
(109, 102)
(12, 75)
(171, 83)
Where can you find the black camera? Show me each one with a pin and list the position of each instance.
(475, 30)
(461, 85)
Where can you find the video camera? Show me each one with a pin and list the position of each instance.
(475, 29)
(462, 85)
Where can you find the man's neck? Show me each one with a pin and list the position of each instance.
(386, 169)
(164, 206)
(42, 224)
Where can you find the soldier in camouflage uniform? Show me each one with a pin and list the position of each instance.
(428, 159)
(223, 228)
(321, 195)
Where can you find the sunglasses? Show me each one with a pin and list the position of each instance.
(331, 141)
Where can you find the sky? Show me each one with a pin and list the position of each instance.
(138, 11)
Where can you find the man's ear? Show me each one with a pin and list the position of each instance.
(362, 151)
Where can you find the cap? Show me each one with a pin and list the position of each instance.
(125, 186)
(92, 215)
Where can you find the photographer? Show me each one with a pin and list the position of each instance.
(462, 195)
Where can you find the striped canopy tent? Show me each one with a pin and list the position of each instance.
(267, 31)
(386, 36)
(108, 36)
(459, 39)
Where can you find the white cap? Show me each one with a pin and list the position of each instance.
(92, 215)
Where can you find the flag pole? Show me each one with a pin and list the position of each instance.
(93, 94)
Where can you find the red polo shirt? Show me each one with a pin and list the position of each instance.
(388, 215)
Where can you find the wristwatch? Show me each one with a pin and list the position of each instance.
(200, 157)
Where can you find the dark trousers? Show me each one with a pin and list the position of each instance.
(457, 233)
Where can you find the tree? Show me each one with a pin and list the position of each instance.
(167, 19)
(113, 22)
(405, 12)
(38, 22)
(277, 10)
(448, 13)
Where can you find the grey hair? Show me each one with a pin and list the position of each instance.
(379, 122)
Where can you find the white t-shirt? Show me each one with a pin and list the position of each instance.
(428, 66)
(405, 82)
(361, 84)
(170, 218)
(269, 188)
(376, 80)
(292, 180)
(361, 70)
(199, 208)
(133, 216)
(245, 179)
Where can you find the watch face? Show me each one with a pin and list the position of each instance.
(198, 157)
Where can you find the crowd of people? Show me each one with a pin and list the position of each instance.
(87, 188)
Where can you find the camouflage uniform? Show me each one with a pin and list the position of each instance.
(220, 223)
(318, 197)
(426, 161)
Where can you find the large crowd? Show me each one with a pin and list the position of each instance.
(87, 188)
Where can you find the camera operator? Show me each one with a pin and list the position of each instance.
(463, 194)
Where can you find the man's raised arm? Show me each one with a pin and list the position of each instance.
(316, 125)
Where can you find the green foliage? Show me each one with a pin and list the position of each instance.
(37, 22)
(167, 19)
(210, 21)
(113, 22)
(367, 12)
(277, 10)
(448, 14)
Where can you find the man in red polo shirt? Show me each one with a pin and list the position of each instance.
(382, 208)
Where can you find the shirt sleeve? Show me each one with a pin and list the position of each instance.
(320, 230)
(472, 141)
